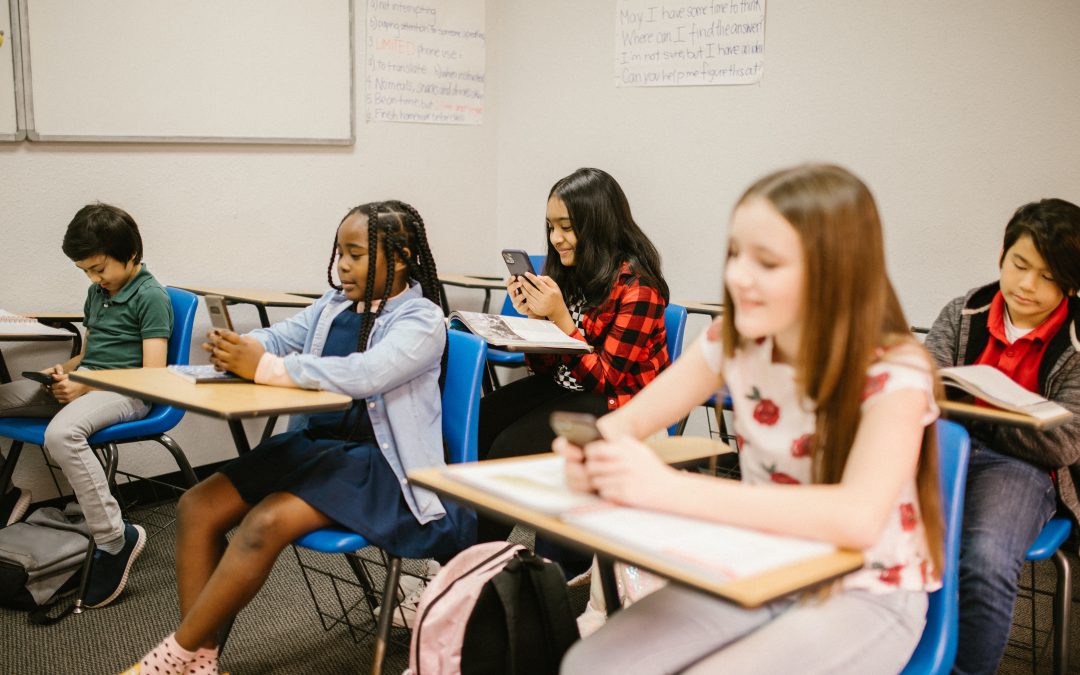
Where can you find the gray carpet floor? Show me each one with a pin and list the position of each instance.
(280, 631)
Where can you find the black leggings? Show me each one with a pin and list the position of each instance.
(514, 423)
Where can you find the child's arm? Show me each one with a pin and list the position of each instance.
(851, 513)
(290, 335)
(1053, 448)
(941, 341)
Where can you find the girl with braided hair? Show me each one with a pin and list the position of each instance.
(378, 337)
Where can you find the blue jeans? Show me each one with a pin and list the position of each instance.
(1006, 504)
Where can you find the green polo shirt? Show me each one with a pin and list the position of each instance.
(117, 326)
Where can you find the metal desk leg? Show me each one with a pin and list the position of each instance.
(239, 437)
(607, 582)
(487, 300)
(5, 376)
(8, 468)
(264, 318)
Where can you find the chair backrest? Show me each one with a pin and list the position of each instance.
(184, 305)
(461, 395)
(936, 650)
(675, 325)
(508, 305)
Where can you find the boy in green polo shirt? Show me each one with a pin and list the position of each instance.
(128, 319)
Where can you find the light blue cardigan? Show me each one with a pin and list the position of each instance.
(398, 376)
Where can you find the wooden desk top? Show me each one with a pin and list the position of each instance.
(34, 337)
(964, 410)
(251, 296)
(73, 317)
(699, 307)
(473, 281)
(749, 592)
(226, 401)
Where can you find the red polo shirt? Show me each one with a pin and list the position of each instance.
(1020, 360)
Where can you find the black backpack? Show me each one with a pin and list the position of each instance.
(496, 609)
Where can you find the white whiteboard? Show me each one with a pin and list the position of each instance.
(247, 71)
(11, 128)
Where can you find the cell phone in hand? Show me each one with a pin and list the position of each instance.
(578, 428)
(41, 378)
(518, 263)
(219, 315)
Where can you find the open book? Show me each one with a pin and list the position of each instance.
(721, 552)
(518, 334)
(16, 324)
(998, 389)
(204, 374)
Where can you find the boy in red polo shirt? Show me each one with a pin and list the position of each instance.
(1025, 325)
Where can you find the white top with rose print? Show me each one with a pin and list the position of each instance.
(775, 425)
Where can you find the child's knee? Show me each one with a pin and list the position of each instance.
(260, 529)
(64, 440)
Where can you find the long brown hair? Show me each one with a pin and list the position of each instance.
(851, 313)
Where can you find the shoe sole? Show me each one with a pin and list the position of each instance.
(19, 510)
(139, 545)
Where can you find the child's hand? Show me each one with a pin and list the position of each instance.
(626, 471)
(517, 297)
(55, 371)
(66, 390)
(544, 297)
(715, 331)
(576, 477)
(237, 354)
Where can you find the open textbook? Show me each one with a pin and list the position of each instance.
(722, 552)
(518, 334)
(205, 374)
(996, 388)
(16, 324)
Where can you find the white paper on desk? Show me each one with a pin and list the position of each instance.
(536, 483)
(720, 551)
(15, 324)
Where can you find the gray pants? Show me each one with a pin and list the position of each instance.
(65, 438)
(676, 630)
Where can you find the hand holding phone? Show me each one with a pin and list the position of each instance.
(578, 428)
(40, 378)
(219, 314)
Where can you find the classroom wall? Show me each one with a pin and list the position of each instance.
(239, 216)
(954, 113)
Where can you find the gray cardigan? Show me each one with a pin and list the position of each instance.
(960, 335)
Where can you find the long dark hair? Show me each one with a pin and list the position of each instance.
(396, 226)
(607, 236)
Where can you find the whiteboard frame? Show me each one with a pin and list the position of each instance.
(25, 92)
(17, 39)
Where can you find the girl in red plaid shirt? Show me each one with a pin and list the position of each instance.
(601, 284)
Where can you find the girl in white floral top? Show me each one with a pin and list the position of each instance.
(834, 405)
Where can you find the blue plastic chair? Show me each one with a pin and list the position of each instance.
(936, 651)
(675, 325)
(460, 424)
(154, 427)
(1048, 545)
(499, 357)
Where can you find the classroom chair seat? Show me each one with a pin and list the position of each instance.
(936, 651)
(460, 424)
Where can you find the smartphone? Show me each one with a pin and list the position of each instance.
(578, 428)
(219, 315)
(517, 261)
(34, 375)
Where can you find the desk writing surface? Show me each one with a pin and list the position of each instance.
(473, 281)
(73, 317)
(227, 401)
(251, 295)
(699, 307)
(963, 410)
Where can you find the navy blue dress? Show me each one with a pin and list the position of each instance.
(335, 465)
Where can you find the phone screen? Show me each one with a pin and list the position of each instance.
(219, 315)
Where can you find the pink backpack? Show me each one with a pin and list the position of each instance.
(503, 608)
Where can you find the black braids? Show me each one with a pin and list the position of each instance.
(334, 251)
(373, 244)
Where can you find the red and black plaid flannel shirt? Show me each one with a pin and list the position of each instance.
(628, 338)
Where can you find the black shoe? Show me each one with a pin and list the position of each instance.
(13, 505)
(109, 573)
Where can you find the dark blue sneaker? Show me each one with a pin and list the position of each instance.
(109, 573)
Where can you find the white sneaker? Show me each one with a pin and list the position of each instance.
(410, 588)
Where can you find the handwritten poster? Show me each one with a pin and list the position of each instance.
(669, 43)
(425, 61)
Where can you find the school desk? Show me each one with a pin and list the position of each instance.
(485, 283)
(965, 410)
(713, 309)
(752, 591)
(43, 334)
(232, 402)
(250, 296)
